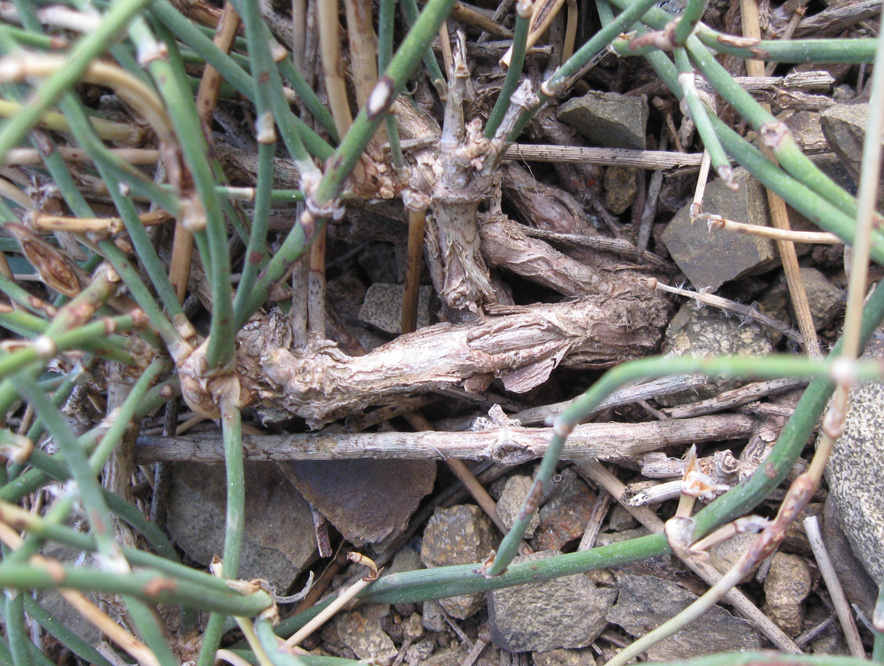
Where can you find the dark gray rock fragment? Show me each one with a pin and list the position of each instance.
(709, 259)
(564, 612)
(278, 540)
(368, 501)
(608, 119)
(645, 602)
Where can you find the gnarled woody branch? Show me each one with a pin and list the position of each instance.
(519, 344)
(509, 445)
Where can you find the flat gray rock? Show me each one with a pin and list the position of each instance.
(459, 535)
(709, 332)
(645, 602)
(709, 259)
(855, 472)
(360, 632)
(510, 503)
(368, 501)
(565, 612)
(608, 119)
(383, 307)
(844, 126)
(278, 540)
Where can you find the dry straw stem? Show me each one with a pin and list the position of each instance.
(817, 237)
(102, 225)
(778, 214)
(109, 130)
(830, 576)
(343, 598)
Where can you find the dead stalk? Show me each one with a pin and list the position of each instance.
(416, 221)
(342, 600)
(817, 237)
(544, 13)
(842, 608)
(779, 215)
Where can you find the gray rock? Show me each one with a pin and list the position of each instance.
(807, 131)
(709, 332)
(456, 656)
(825, 299)
(433, 618)
(786, 587)
(360, 631)
(459, 535)
(645, 602)
(724, 555)
(563, 657)
(278, 540)
(383, 307)
(845, 128)
(858, 586)
(620, 188)
(709, 259)
(368, 501)
(620, 519)
(855, 472)
(564, 516)
(510, 503)
(608, 119)
(565, 612)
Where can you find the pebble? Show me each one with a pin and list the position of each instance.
(462, 534)
(278, 541)
(510, 503)
(786, 587)
(566, 612)
(709, 259)
(608, 119)
(564, 516)
(645, 602)
(360, 631)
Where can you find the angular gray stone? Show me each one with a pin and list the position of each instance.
(562, 657)
(368, 501)
(566, 612)
(360, 631)
(510, 503)
(278, 540)
(844, 126)
(807, 131)
(459, 535)
(858, 586)
(855, 472)
(564, 515)
(709, 259)
(785, 588)
(825, 299)
(621, 187)
(708, 332)
(645, 602)
(608, 119)
(383, 307)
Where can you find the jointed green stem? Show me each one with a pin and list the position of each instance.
(520, 42)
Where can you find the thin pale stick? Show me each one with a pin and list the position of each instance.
(779, 216)
(842, 608)
(775, 233)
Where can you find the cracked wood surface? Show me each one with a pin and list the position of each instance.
(510, 445)
(521, 345)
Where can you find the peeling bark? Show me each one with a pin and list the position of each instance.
(521, 345)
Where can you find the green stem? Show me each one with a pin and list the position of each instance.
(435, 72)
(24, 356)
(793, 50)
(520, 43)
(688, 20)
(64, 635)
(231, 424)
(699, 111)
(17, 630)
(148, 585)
